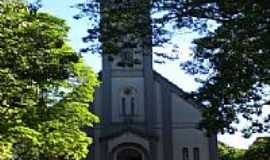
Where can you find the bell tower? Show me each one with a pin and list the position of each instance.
(127, 75)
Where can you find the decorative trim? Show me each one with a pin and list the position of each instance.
(167, 122)
(128, 130)
(149, 108)
(106, 92)
(106, 108)
(148, 91)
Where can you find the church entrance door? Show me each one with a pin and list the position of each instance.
(129, 154)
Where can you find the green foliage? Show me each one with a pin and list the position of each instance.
(45, 88)
(5, 150)
(229, 153)
(259, 150)
(236, 59)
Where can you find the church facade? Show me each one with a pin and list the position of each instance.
(146, 117)
(143, 115)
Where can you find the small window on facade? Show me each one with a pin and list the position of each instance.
(196, 153)
(132, 105)
(128, 102)
(123, 104)
(185, 153)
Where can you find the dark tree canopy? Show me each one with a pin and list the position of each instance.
(234, 57)
(259, 150)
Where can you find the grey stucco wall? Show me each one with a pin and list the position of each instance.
(120, 83)
(184, 118)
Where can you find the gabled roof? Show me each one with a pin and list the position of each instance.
(129, 130)
(178, 91)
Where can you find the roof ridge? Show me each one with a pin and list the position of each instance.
(176, 89)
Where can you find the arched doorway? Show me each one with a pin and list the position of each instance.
(129, 151)
(129, 154)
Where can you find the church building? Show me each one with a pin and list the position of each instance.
(143, 115)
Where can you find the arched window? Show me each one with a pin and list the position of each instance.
(123, 105)
(132, 106)
(185, 153)
(129, 151)
(196, 153)
(128, 102)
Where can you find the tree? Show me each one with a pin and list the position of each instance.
(229, 153)
(259, 150)
(233, 57)
(45, 88)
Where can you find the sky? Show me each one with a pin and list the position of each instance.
(171, 70)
